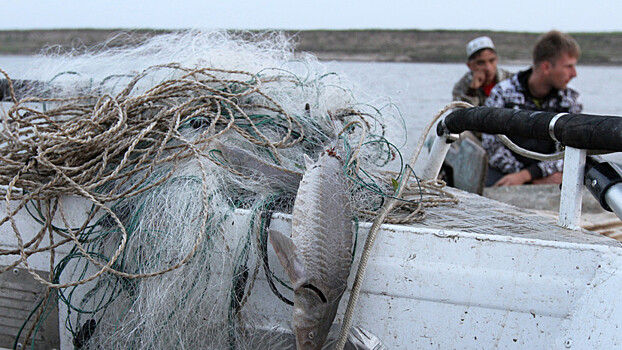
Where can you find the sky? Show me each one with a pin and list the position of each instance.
(516, 15)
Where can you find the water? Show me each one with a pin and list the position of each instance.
(420, 90)
(14, 64)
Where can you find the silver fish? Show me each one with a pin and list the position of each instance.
(317, 257)
(358, 339)
(249, 164)
(361, 339)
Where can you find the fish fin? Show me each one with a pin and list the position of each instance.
(286, 251)
(308, 161)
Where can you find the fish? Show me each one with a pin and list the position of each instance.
(358, 339)
(318, 255)
(362, 339)
(249, 164)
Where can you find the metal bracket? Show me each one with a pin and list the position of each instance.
(436, 157)
(449, 137)
(552, 125)
(572, 188)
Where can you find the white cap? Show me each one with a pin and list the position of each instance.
(483, 42)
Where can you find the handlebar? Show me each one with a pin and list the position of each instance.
(583, 131)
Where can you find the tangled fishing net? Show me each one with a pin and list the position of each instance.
(166, 155)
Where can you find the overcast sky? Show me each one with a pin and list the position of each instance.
(516, 15)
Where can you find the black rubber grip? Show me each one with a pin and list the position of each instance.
(598, 178)
(584, 131)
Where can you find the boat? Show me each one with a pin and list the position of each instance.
(126, 225)
(477, 274)
(465, 168)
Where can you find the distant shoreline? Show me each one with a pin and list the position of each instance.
(434, 46)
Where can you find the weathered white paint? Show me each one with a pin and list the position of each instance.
(435, 159)
(430, 288)
(479, 275)
(572, 188)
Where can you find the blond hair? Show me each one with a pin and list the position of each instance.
(552, 44)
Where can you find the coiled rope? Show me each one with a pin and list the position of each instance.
(105, 148)
(90, 141)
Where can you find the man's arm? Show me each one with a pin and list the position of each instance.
(575, 102)
(499, 157)
(551, 166)
(502, 159)
(514, 179)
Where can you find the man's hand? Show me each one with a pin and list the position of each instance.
(479, 77)
(555, 178)
(514, 179)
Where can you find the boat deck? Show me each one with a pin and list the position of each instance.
(479, 274)
(476, 214)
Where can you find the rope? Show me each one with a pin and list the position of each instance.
(382, 215)
(90, 141)
(107, 148)
(86, 143)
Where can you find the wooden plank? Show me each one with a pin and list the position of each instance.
(17, 303)
(19, 294)
(10, 327)
(6, 312)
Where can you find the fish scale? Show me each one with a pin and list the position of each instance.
(319, 193)
(317, 257)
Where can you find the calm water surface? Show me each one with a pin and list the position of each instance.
(420, 90)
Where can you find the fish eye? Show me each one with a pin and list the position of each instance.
(311, 335)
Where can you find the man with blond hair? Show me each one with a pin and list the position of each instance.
(543, 87)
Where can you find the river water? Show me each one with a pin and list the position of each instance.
(420, 90)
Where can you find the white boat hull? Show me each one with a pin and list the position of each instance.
(480, 275)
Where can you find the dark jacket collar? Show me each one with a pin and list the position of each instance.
(523, 78)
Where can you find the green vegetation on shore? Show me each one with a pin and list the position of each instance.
(353, 45)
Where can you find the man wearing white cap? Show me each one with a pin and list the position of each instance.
(474, 87)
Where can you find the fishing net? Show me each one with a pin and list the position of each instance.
(179, 166)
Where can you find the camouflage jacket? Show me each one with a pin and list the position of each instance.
(513, 93)
(462, 90)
